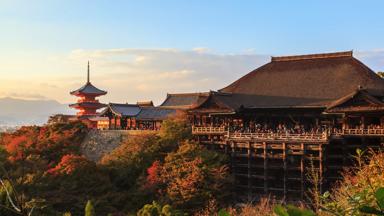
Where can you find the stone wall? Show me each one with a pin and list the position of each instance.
(100, 142)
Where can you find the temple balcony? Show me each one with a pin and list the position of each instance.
(310, 137)
(363, 132)
(244, 136)
(84, 100)
(197, 130)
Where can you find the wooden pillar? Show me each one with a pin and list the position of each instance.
(302, 171)
(362, 118)
(344, 152)
(265, 167)
(285, 169)
(345, 122)
(233, 155)
(321, 167)
(249, 151)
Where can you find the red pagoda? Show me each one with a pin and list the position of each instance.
(87, 104)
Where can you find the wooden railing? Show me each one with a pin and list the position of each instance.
(198, 130)
(373, 132)
(278, 136)
(208, 130)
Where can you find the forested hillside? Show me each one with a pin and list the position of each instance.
(44, 173)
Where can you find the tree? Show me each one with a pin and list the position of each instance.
(71, 163)
(192, 176)
(381, 74)
(49, 174)
(175, 129)
(89, 209)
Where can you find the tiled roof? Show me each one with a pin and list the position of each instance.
(130, 110)
(88, 88)
(154, 113)
(184, 100)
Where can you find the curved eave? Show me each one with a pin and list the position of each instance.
(88, 89)
(79, 93)
(87, 105)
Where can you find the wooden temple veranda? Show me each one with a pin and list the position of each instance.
(293, 114)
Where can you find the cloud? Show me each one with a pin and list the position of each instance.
(130, 74)
(25, 96)
(142, 74)
(373, 58)
(201, 49)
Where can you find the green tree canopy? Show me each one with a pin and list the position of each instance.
(89, 209)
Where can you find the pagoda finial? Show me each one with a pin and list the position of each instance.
(88, 73)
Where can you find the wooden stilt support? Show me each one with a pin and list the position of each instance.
(265, 167)
(302, 174)
(321, 170)
(285, 169)
(249, 151)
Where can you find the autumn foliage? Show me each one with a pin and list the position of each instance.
(69, 164)
(47, 167)
(49, 142)
(190, 177)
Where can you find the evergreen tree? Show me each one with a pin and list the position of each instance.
(89, 209)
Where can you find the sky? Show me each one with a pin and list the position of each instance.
(142, 50)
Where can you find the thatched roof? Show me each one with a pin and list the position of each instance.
(304, 80)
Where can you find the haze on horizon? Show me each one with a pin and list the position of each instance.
(142, 50)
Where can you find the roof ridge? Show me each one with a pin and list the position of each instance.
(124, 104)
(312, 56)
(192, 94)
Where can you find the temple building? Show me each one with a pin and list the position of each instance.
(139, 116)
(87, 104)
(290, 114)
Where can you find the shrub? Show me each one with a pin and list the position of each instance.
(155, 209)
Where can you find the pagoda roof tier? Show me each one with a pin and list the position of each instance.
(87, 105)
(88, 89)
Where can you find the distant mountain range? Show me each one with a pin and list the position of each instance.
(16, 112)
